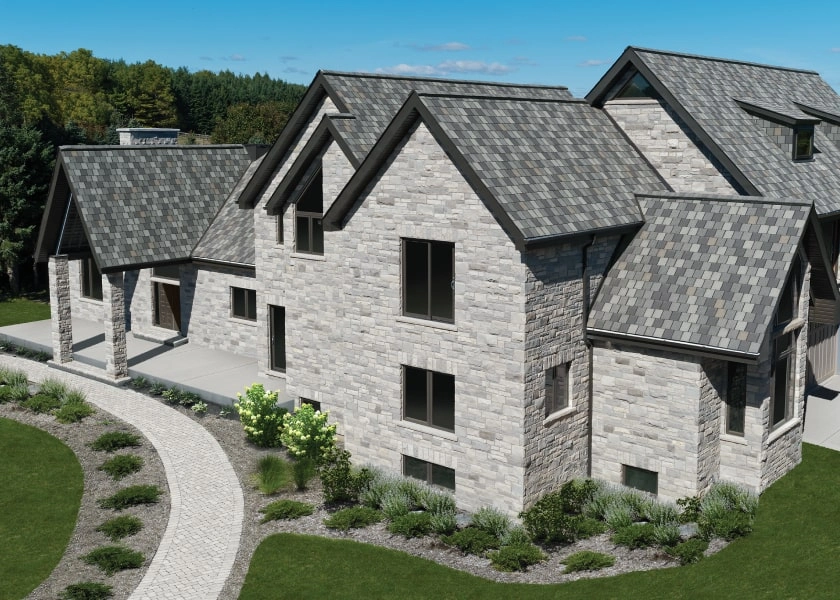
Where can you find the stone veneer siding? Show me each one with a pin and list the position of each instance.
(113, 301)
(670, 146)
(60, 313)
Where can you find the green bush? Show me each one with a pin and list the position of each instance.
(439, 503)
(443, 523)
(549, 522)
(306, 433)
(689, 551)
(660, 513)
(618, 515)
(286, 509)
(73, 412)
(14, 377)
(516, 536)
(53, 388)
(120, 527)
(139, 383)
(396, 503)
(354, 517)
(172, 395)
(157, 388)
(303, 470)
(587, 561)
(189, 399)
(16, 392)
(132, 496)
(492, 521)
(412, 525)
(112, 441)
(690, 509)
(41, 403)
(114, 558)
(727, 511)
(634, 536)
(340, 481)
(666, 535)
(576, 494)
(472, 540)
(122, 465)
(88, 590)
(261, 418)
(377, 490)
(272, 474)
(516, 558)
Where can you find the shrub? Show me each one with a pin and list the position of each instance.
(73, 412)
(87, 590)
(340, 482)
(139, 383)
(439, 503)
(306, 433)
(689, 551)
(286, 509)
(261, 418)
(443, 523)
(690, 506)
(122, 465)
(199, 408)
(12, 377)
(516, 536)
(587, 561)
(53, 388)
(272, 474)
(377, 490)
(584, 527)
(157, 389)
(132, 496)
(41, 403)
(576, 494)
(472, 540)
(666, 535)
(635, 536)
(618, 516)
(414, 489)
(14, 392)
(115, 440)
(492, 521)
(660, 513)
(727, 511)
(414, 524)
(114, 558)
(548, 522)
(516, 558)
(354, 517)
(190, 399)
(119, 527)
(172, 395)
(303, 470)
(395, 504)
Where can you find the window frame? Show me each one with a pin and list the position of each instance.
(249, 301)
(784, 349)
(428, 316)
(430, 467)
(640, 472)
(555, 388)
(797, 132)
(430, 377)
(91, 280)
(314, 220)
(736, 384)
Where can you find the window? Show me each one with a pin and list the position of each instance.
(309, 229)
(556, 388)
(637, 87)
(277, 337)
(803, 143)
(641, 479)
(428, 280)
(736, 398)
(429, 472)
(789, 301)
(279, 228)
(429, 398)
(91, 280)
(243, 303)
(313, 403)
(784, 348)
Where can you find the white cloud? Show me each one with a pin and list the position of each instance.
(236, 58)
(404, 69)
(593, 63)
(286, 59)
(576, 38)
(448, 67)
(447, 47)
(295, 71)
(524, 60)
(835, 49)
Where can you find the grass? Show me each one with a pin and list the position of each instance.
(40, 493)
(792, 553)
(272, 475)
(22, 310)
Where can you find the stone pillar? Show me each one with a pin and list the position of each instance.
(62, 326)
(113, 301)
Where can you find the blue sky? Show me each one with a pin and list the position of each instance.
(525, 41)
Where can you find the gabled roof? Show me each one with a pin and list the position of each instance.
(545, 168)
(706, 272)
(705, 93)
(372, 100)
(139, 205)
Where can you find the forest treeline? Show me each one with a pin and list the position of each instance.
(77, 98)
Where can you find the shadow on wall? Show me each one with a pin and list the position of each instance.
(129, 288)
(189, 274)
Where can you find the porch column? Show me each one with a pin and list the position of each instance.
(62, 325)
(113, 301)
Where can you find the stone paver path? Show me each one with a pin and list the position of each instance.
(201, 539)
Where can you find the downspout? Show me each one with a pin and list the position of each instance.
(584, 321)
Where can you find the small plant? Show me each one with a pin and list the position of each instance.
(516, 536)
(576, 494)
(492, 521)
(199, 408)
(112, 441)
(139, 383)
(261, 418)
(354, 517)
(443, 523)
(41, 403)
(414, 524)
(690, 506)
(172, 395)
(53, 388)
(635, 536)
(547, 521)
(663, 514)
(396, 504)
(14, 392)
(587, 561)
(472, 540)
(122, 465)
(226, 411)
(189, 399)
(618, 516)
(272, 474)
(73, 412)
(340, 481)
(689, 551)
(303, 470)
(516, 558)
(120, 527)
(306, 433)
(727, 511)
(73, 397)
(12, 377)
(377, 489)
(87, 590)
(666, 535)
(132, 496)
(286, 509)
(439, 503)
(157, 389)
(114, 558)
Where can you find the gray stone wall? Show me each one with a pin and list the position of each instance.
(710, 421)
(740, 456)
(60, 313)
(673, 150)
(113, 300)
(83, 308)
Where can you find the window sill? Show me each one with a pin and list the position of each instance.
(427, 323)
(275, 374)
(307, 256)
(447, 435)
(794, 325)
(733, 439)
(783, 429)
(167, 280)
(94, 301)
(559, 415)
(242, 321)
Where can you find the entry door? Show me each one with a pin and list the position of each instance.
(277, 337)
(168, 306)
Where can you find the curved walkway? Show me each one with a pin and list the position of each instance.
(201, 539)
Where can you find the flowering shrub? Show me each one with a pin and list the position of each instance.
(260, 416)
(306, 433)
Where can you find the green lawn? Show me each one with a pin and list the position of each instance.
(40, 493)
(22, 310)
(793, 553)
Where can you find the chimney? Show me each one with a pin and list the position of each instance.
(147, 136)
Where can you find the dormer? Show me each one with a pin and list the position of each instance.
(786, 124)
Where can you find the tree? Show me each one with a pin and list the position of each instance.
(26, 163)
(252, 124)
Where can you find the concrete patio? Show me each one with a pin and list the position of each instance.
(822, 415)
(215, 375)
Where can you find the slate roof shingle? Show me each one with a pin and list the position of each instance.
(703, 271)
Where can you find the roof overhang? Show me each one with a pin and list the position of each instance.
(789, 118)
(669, 345)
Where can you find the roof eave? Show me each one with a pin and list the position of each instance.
(563, 238)
(685, 347)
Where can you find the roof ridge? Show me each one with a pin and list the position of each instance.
(724, 60)
(153, 147)
(443, 80)
(507, 98)
(775, 200)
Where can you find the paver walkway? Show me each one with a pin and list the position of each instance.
(201, 539)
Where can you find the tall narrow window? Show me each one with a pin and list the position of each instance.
(309, 229)
(428, 280)
(556, 388)
(91, 280)
(736, 398)
(784, 348)
(277, 337)
(429, 398)
(803, 143)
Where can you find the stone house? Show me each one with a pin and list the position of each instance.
(496, 288)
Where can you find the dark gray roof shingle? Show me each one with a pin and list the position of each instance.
(702, 271)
